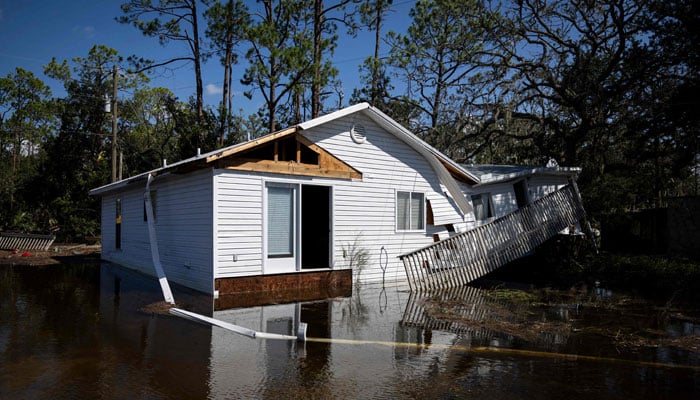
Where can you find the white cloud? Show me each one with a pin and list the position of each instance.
(213, 89)
(87, 31)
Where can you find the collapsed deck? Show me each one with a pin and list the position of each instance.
(466, 256)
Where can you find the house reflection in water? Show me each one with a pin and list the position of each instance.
(101, 332)
(206, 361)
(399, 345)
(145, 350)
(218, 363)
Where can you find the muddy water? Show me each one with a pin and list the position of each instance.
(99, 332)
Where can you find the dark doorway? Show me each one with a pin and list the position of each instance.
(315, 226)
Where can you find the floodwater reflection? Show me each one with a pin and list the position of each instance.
(93, 331)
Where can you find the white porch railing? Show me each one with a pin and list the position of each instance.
(469, 255)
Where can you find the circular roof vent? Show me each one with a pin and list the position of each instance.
(357, 133)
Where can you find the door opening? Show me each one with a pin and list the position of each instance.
(315, 226)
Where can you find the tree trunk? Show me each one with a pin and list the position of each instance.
(228, 60)
(230, 99)
(197, 62)
(225, 101)
(375, 66)
(272, 102)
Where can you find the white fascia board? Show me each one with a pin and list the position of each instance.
(119, 184)
(334, 115)
(155, 172)
(126, 183)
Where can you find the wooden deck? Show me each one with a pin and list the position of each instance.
(469, 255)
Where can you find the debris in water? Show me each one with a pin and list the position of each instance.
(159, 307)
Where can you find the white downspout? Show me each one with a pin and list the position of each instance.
(164, 285)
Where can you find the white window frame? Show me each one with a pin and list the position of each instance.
(410, 221)
(265, 181)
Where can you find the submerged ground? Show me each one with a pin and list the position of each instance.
(97, 330)
(56, 254)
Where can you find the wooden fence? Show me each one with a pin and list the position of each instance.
(469, 255)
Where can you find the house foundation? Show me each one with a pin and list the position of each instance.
(282, 288)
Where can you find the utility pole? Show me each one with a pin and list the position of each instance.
(114, 123)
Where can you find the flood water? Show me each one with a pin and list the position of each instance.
(92, 331)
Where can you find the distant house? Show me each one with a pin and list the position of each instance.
(296, 207)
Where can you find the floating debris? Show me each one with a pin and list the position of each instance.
(159, 307)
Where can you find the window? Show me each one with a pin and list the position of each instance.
(410, 211)
(482, 206)
(280, 221)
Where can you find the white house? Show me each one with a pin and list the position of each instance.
(301, 206)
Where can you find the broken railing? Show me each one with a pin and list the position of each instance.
(462, 258)
(25, 241)
(467, 307)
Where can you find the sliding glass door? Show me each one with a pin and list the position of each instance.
(298, 226)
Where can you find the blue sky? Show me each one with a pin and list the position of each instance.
(34, 31)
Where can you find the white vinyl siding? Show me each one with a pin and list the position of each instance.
(445, 210)
(238, 229)
(364, 211)
(183, 229)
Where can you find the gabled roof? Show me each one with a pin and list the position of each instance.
(440, 163)
(445, 168)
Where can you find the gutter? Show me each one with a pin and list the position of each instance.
(164, 285)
